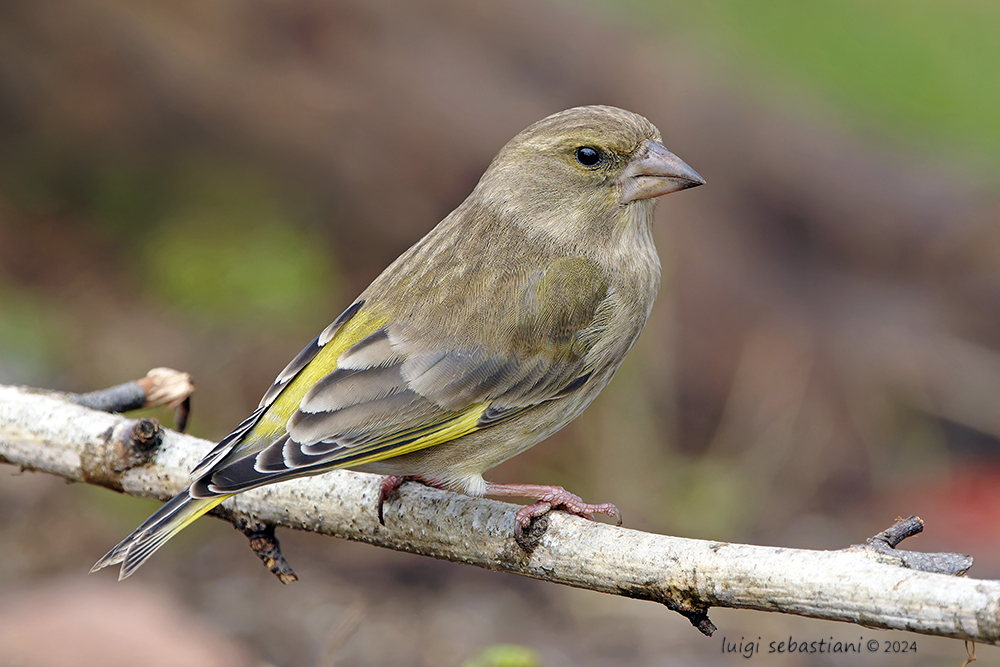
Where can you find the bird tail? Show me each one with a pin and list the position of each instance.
(166, 522)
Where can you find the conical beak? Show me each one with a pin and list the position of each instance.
(654, 172)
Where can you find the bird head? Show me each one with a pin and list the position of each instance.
(582, 168)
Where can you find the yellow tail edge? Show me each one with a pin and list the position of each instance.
(176, 515)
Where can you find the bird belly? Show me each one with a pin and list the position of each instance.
(459, 464)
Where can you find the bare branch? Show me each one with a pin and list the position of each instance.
(871, 585)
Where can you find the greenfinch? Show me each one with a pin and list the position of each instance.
(491, 333)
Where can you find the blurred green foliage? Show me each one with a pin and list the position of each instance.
(33, 334)
(917, 69)
(232, 248)
(505, 655)
(206, 234)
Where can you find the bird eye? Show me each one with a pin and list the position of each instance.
(588, 156)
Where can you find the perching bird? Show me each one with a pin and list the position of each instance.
(494, 331)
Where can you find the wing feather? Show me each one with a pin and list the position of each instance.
(300, 361)
(370, 388)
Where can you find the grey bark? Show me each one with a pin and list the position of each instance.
(872, 585)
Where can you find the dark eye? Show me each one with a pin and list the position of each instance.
(588, 156)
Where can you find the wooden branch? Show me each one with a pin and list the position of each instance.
(873, 585)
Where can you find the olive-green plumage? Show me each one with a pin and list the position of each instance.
(492, 332)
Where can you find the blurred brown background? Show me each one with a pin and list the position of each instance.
(207, 185)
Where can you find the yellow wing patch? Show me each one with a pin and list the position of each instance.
(273, 421)
(464, 423)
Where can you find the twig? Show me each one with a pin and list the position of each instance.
(264, 543)
(884, 545)
(160, 386)
(856, 585)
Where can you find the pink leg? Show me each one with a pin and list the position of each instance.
(549, 498)
(392, 482)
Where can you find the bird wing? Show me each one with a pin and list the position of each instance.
(396, 388)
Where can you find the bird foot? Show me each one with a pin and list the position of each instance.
(386, 488)
(390, 483)
(549, 498)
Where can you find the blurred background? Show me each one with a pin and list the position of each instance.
(207, 185)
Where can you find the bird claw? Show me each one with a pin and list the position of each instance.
(386, 487)
(390, 483)
(530, 535)
(568, 502)
(549, 498)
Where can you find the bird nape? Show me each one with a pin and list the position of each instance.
(492, 332)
